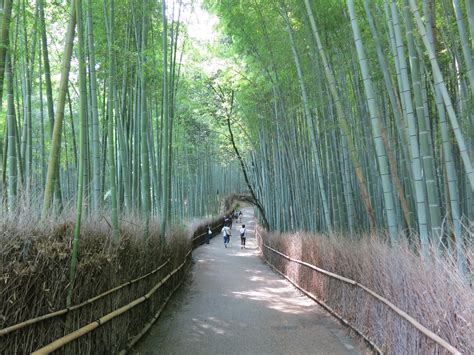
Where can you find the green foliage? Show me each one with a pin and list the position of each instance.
(248, 73)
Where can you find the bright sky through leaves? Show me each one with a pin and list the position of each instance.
(200, 23)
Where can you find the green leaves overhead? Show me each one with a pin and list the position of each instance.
(321, 114)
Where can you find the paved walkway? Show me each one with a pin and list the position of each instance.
(232, 303)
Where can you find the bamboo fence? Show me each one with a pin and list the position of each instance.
(196, 241)
(31, 321)
(423, 330)
(59, 343)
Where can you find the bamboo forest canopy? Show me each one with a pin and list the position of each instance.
(359, 114)
(339, 116)
(98, 109)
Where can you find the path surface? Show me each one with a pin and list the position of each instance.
(232, 303)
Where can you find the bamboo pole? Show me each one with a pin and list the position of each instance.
(111, 103)
(147, 327)
(53, 163)
(327, 307)
(441, 85)
(59, 343)
(425, 331)
(377, 127)
(17, 326)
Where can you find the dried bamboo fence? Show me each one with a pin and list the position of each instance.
(356, 297)
(59, 343)
(61, 312)
(158, 295)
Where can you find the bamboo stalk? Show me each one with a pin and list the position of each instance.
(441, 85)
(53, 164)
(59, 343)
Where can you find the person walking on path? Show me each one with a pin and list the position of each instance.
(224, 308)
(228, 221)
(243, 236)
(209, 234)
(226, 235)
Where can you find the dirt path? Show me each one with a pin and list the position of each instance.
(232, 303)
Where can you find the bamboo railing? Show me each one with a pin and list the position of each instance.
(59, 343)
(147, 327)
(61, 312)
(423, 330)
(196, 241)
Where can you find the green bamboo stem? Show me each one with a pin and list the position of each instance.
(53, 163)
(96, 193)
(421, 208)
(11, 125)
(376, 128)
(439, 82)
(82, 133)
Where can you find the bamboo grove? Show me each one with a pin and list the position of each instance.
(95, 114)
(360, 115)
(338, 116)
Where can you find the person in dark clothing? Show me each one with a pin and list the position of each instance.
(228, 221)
(209, 234)
(243, 236)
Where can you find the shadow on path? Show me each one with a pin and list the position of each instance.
(232, 303)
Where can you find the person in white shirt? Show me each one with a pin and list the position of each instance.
(226, 235)
(243, 236)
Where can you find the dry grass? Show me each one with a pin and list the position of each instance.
(433, 293)
(34, 274)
